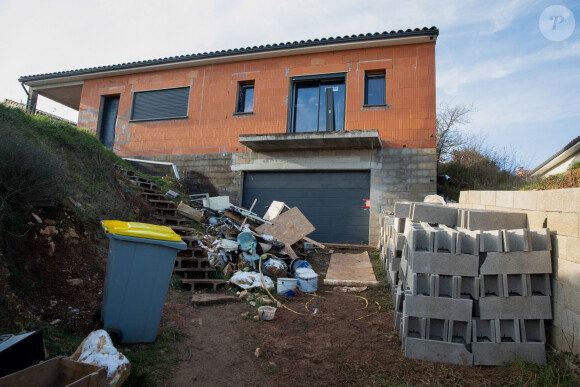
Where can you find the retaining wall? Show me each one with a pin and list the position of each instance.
(558, 210)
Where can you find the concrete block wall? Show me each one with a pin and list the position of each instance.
(559, 211)
(206, 173)
(396, 174)
(501, 275)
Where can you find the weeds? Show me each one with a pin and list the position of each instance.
(152, 363)
(561, 369)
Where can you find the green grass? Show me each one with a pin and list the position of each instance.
(561, 369)
(153, 363)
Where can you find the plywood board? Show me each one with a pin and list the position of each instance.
(350, 270)
(288, 227)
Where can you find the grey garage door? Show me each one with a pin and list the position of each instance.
(332, 201)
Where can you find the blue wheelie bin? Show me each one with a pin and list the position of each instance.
(139, 266)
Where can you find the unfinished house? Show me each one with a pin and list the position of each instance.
(340, 127)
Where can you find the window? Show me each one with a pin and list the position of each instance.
(245, 97)
(375, 89)
(161, 104)
(317, 103)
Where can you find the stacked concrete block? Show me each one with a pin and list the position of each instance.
(469, 287)
(439, 274)
(514, 296)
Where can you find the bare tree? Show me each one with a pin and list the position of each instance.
(449, 120)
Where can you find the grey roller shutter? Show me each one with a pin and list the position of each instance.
(160, 104)
(332, 201)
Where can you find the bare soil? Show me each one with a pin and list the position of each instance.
(346, 342)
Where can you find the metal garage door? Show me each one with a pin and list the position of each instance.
(331, 201)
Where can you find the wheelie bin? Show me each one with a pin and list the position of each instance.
(140, 261)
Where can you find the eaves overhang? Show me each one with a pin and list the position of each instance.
(570, 149)
(369, 40)
(352, 139)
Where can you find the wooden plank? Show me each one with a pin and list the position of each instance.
(348, 246)
(289, 227)
(189, 212)
(317, 244)
(350, 270)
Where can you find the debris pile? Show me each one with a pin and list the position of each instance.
(238, 244)
(470, 287)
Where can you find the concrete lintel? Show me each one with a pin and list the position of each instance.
(353, 139)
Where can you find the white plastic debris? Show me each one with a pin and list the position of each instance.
(98, 349)
(250, 280)
(275, 263)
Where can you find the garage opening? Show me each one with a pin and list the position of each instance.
(332, 201)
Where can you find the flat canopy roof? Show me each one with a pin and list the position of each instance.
(352, 139)
(65, 86)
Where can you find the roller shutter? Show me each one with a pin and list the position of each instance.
(331, 201)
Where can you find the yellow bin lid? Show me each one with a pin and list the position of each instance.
(140, 230)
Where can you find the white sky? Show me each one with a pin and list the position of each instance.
(492, 54)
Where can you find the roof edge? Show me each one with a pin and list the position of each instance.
(556, 155)
(431, 32)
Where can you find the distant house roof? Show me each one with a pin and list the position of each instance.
(557, 157)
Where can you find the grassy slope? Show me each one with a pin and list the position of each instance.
(568, 179)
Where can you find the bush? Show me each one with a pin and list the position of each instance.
(469, 168)
(30, 176)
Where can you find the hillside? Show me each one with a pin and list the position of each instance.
(568, 179)
(56, 183)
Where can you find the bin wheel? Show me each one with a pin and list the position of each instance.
(116, 336)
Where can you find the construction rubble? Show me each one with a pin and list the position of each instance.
(242, 248)
(470, 287)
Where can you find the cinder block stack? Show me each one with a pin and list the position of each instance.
(469, 287)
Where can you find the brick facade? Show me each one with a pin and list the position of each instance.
(211, 126)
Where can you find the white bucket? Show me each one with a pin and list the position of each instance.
(286, 285)
(308, 280)
(266, 313)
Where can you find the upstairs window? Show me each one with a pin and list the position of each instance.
(375, 88)
(161, 104)
(245, 103)
(318, 103)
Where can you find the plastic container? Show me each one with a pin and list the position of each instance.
(247, 241)
(266, 313)
(139, 266)
(299, 263)
(286, 285)
(307, 280)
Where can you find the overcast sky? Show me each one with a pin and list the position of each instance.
(522, 79)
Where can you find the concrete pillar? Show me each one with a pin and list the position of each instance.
(32, 100)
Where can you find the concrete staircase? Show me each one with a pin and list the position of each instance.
(191, 264)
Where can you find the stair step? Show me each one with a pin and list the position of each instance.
(193, 282)
(167, 211)
(161, 202)
(172, 220)
(194, 269)
(183, 230)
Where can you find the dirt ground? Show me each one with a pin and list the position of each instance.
(345, 342)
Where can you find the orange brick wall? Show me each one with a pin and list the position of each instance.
(211, 126)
